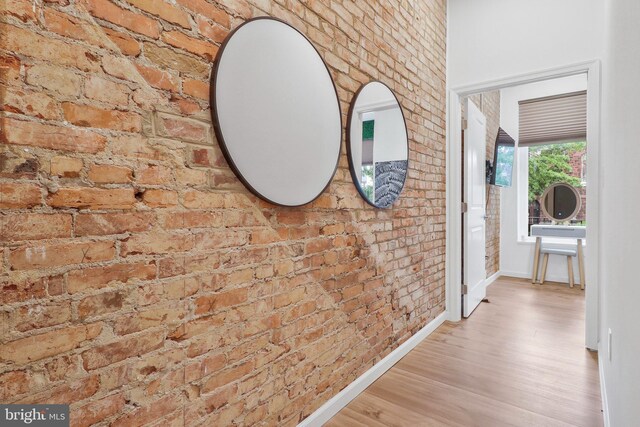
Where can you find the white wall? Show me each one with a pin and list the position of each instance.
(493, 39)
(516, 249)
(620, 233)
(390, 136)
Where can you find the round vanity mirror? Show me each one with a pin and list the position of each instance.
(377, 144)
(276, 113)
(561, 202)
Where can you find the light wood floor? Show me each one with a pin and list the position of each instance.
(519, 360)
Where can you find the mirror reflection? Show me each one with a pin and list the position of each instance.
(561, 202)
(378, 145)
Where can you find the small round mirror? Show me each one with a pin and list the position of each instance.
(377, 144)
(561, 202)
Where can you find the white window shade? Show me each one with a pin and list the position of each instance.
(553, 119)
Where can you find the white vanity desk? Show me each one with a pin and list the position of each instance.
(558, 231)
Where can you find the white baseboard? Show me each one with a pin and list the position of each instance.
(603, 389)
(350, 392)
(495, 276)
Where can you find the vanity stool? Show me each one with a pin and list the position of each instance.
(558, 231)
(569, 253)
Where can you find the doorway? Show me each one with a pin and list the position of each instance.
(454, 185)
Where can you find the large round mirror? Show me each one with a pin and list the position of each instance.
(276, 112)
(377, 144)
(561, 202)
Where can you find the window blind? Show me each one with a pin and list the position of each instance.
(553, 119)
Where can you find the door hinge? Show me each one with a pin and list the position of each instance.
(464, 207)
(465, 289)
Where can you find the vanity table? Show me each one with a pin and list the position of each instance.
(564, 232)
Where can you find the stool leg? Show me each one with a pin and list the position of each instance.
(570, 269)
(536, 259)
(545, 262)
(581, 264)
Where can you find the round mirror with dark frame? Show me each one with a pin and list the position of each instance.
(276, 112)
(377, 144)
(561, 202)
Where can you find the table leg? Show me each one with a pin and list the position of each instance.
(581, 264)
(536, 259)
(570, 270)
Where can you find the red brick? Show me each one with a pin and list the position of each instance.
(27, 318)
(227, 376)
(158, 78)
(15, 383)
(68, 392)
(169, 58)
(214, 31)
(211, 303)
(96, 305)
(57, 254)
(66, 167)
(19, 196)
(52, 137)
(200, 200)
(28, 43)
(186, 106)
(207, 9)
(186, 129)
(20, 9)
(221, 239)
(196, 88)
(147, 414)
(9, 68)
(106, 91)
(164, 10)
(18, 289)
(207, 366)
(157, 198)
(65, 367)
(156, 243)
(70, 26)
(108, 11)
(97, 410)
(38, 347)
(114, 352)
(100, 277)
(154, 175)
(195, 46)
(145, 319)
(32, 226)
(191, 177)
(110, 174)
(92, 198)
(240, 7)
(126, 44)
(113, 223)
(35, 104)
(192, 219)
(139, 147)
(87, 116)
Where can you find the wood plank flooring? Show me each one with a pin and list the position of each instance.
(519, 360)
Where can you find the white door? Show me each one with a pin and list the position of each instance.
(474, 272)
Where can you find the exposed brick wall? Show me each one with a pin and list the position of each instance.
(140, 281)
(489, 104)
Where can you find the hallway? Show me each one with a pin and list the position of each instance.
(518, 360)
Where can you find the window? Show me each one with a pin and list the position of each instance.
(551, 163)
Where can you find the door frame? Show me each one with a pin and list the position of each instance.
(453, 268)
